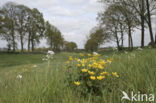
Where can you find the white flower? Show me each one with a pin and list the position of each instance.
(140, 49)
(95, 53)
(126, 52)
(35, 66)
(19, 76)
(51, 52)
(115, 48)
(133, 55)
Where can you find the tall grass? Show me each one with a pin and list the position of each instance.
(46, 84)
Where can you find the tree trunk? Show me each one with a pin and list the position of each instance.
(142, 24)
(32, 45)
(21, 37)
(149, 23)
(29, 41)
(130, 41)
(117, 40)
(13, 41)
(122, 35)
(155, 38)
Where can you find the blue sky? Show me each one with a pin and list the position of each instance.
(74, 18)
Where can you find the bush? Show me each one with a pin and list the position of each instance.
(88, 75)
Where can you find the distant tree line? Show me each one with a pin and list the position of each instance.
(123, 18)
(19, 23)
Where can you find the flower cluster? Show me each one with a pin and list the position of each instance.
(49, 56)
(91, 71)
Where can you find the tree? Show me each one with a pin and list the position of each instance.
(149, 20)
(21, 22)
(9, 11)
(54, 38)
(119, 17)
(70, 46)
(35, 28)
(139, 6)
(5, 32)
(91, 45)
(142, 10)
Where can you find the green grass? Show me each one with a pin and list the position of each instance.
(46, 84)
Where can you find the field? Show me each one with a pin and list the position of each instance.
(45, 83)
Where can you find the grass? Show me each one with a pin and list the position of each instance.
(46, 84)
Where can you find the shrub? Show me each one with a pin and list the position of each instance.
(88, 75)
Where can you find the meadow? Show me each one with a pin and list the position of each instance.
(46, 83)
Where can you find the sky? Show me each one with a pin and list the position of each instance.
(74, 18)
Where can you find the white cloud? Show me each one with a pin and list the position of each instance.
(75, 2)
(59, 11)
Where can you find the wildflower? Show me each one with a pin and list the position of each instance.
(19, 76)
(78, 65)
(125, 52)
(81, 54)
(103, 73)
(89, 55)
(91, 73)
(67, 62)
(83, 64)
(77, 83)
(95, 53)
(35, 66)
(92, 77)
(140, 49)
(50, 52)
(110, 60)
(90, 65)
(84, 70)
(100, 77)
(95, 65)
(102, 62)
(76, 59)
(70, 58)
(100, 67)
(115, 74)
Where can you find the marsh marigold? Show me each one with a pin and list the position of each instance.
(100, 77)
(92, 77)
(115, 74)
(77, 83)
(84, 70)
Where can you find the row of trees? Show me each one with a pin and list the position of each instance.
(18, 23)
(121, 18)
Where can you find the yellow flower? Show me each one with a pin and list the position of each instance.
(84, 61)
(103, 73)
(100, 77)
(83, 65)
(70, 58)
(89, 55)
(90, 65)
(92, 77)
(100, 67)
(115, 74)
(95, 65)
(81, 54)
(110, 60)
(91, 72)
(84, 70)
(78, 65)
(77, 83)
(67, 62)
(76, 59)
(102, 62)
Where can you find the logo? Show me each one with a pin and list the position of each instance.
(138, 97)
